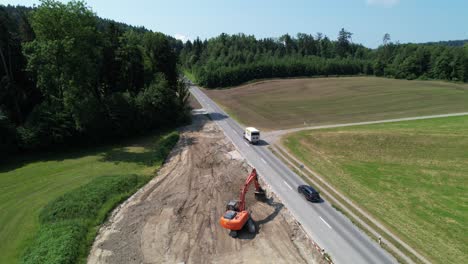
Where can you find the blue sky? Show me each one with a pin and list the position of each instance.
(369, 20)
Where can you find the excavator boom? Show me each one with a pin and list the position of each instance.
(253, 177)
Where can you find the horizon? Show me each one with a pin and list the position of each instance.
(410, 23)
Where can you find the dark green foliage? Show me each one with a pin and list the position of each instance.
(67, 76)
(68, 222)
(412, 61)
(285, 67)
(229, 60)
(86, 201)
(233, 59)
(57, 243)
(8, 138)
(155, 103)
(17, 92)
(161, 55)
(453, 43)
(47, 124)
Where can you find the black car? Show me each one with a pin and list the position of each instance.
(309, 193)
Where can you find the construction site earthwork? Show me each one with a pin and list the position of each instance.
(183, 214)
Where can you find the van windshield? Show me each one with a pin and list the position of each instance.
(255, 133)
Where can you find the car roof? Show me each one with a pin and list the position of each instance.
(309, 188)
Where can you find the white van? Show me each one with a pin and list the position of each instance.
(252, 135)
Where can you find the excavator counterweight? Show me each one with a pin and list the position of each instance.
(236, 216)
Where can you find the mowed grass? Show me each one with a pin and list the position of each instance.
(288, 103)
(30, 183)
(413, 176)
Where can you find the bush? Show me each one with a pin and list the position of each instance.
(48, 124)
(68, 223)
(57, 243)
(166, 145)
(86, 201)
(156, 104)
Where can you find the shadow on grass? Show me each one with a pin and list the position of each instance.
(67, 152)
(113, 151)
(147, 144)
(148, 153)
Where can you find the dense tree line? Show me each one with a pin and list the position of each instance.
(68, 76)
(453, 43)
(229, 60)
(421, 61)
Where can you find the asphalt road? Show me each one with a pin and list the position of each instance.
(329, 228)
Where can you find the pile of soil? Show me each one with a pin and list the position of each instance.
(175, 217)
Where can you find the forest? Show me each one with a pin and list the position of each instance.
(229, 60)
(68, 77)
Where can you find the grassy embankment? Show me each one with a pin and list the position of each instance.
(51, 205)
(280, 104)
(411, 175)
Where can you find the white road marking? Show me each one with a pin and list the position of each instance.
(287, 185)
(325, 222)
(246, 144)
(263, 161)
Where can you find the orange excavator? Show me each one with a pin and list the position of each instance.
(236, 216)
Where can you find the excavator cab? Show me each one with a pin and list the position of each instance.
(230, 214)
(232, 205)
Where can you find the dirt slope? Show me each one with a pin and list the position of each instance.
(175, 217)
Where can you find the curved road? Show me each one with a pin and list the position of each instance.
(329, 228)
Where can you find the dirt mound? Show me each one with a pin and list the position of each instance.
(174, 218)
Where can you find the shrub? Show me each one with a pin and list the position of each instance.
(68, 223)
(86, 201)
(57, 243)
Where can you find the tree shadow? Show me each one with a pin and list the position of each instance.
(217, 116)
(198, 120)
(158, 152)
(109, 150)
(148, 155)
(60, 153)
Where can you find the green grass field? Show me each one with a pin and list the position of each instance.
(288, 103)
(29, 183)
(412, 175)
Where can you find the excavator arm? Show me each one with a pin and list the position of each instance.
(253, 177)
